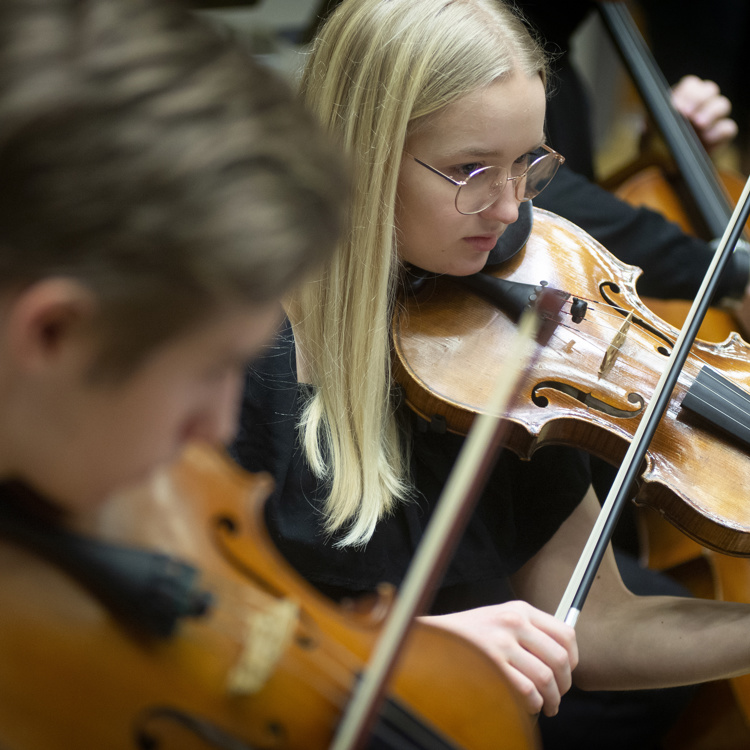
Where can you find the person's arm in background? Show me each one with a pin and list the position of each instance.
(673, 262)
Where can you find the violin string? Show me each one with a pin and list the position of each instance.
(630, 363)
(735, 408)
(337, 672)
(654, 340)
(685, 379)
(602, 345)
(732, 409)
(636, 365)
(619, 317)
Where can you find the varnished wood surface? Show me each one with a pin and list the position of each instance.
(450, 345)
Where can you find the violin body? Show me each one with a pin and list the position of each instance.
(449, 346)
(272, 665)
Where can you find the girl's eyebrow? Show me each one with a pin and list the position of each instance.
(478, 152)
(483, 153)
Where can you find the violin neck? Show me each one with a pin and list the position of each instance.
(702, 182)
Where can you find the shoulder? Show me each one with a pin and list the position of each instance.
(277, 360)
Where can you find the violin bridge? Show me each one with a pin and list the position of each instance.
(613, 351)
(267, 635)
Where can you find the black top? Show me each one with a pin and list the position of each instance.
(522, 506)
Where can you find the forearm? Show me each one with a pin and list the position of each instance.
(655, 641)
(627, 641)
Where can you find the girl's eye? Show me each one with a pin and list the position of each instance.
(464, 170)
(522, 163)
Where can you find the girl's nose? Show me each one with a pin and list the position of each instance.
(505, 208)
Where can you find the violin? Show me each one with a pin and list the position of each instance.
(591, 383)
(265, 662)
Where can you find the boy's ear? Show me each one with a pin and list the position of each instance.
(48, 318)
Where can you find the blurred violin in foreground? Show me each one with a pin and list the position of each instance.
(173, 622)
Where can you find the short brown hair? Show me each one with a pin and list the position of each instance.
(152, 159)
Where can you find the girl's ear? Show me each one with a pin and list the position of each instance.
(48, 322)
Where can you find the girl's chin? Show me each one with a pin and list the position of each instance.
(468, 267)
(464, 266)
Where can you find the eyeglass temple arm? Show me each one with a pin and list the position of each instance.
(457, 183)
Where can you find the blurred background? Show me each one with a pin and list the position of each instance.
(277, 32)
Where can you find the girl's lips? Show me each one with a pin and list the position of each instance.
(483, 243)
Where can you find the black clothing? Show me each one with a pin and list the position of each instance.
(523, 505)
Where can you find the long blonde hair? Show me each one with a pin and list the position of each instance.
(376, 69)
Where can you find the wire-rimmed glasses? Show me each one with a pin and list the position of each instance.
(484, 186)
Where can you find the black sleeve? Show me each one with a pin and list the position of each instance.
(521, 507)
(673, 263)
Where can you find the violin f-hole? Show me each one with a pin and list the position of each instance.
(611, 285)
(589, 400)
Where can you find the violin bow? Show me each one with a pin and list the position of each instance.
(583, 576)
(452, 511)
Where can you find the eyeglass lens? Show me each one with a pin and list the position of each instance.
(483, 186)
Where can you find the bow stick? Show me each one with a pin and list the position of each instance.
(457, 500)
(593, 552)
